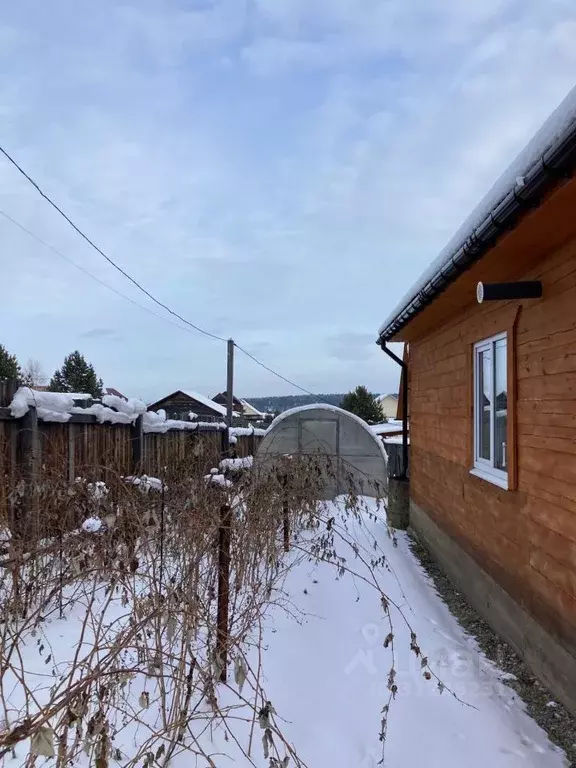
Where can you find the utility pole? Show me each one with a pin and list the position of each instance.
(224, 533)
(230, 384)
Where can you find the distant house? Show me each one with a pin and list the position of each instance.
(186, 405)
(388, 405)
(114, 393)
(490, 370)
(243, 408)
(221, 399)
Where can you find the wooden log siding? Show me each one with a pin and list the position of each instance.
(526, 539)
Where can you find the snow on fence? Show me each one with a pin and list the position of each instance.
(53, 437)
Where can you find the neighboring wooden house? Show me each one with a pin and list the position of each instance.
(221, 399)
(114, 392)
(252, 414)
(492, 405)
(388, 405)
(243, 409)
(186, 405)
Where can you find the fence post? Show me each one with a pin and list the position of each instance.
(29, 444)
(137, 437)
(8, 388)
(223, 589)
(71, 452)
(285, 518)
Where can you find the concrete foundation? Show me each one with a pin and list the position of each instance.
(398, 504)
(549, 661)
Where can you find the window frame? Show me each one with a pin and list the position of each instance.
(484, 468)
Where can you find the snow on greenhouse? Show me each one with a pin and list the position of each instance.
(352, 456)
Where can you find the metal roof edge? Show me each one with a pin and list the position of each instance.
(553, 167)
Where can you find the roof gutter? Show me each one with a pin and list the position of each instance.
(556, 164)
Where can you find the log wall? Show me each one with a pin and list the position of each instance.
(525, 538)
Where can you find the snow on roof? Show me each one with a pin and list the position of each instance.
(252, 410)
(394, 440)
(552, 130)
(114, 391)
(386, 429)
(381, 398)
(205, 401)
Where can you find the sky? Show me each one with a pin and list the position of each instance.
(277, 171)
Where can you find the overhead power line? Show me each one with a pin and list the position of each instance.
(262, 365)
(87, 272)
(129, 277)
(101, 252)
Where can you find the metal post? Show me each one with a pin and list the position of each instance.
(223, 589)
(285, 517)
(403, 365)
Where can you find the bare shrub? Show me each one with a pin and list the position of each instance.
(126, 575)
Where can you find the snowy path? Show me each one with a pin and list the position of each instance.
(327, 677)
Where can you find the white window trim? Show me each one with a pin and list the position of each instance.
(483, 468)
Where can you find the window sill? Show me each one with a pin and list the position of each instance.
(500, 479)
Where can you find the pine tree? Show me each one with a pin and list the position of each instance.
(364, 404)
(9, 367)
(76, 375)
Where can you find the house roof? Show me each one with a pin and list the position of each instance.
(542, 166)
(215, 407)
(381, 398)
(251, 409)
(205, 401)
(393, 427)
(223, 395)
(115, 392)
(244, 405)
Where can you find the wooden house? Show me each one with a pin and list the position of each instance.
(490, 370)
(186, 405)
(221, 399)
(243, 409)
(388, 405)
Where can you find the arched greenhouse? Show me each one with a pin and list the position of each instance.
(353, 458)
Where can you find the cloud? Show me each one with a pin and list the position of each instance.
(100, 333)
(288, 198)
(345, 32)
(351, 346)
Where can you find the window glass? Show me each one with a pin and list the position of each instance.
(501, 405)
(484, 406)
(491, 410)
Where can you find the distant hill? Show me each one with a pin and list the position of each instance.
(274, 404)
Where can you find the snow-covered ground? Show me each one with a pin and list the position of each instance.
(325, 669)
(328, 674)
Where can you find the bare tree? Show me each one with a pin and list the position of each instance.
(33, 375)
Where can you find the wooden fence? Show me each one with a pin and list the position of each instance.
(33, 449)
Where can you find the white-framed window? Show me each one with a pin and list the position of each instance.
(491, 410)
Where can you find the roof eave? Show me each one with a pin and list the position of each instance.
(553, 168)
